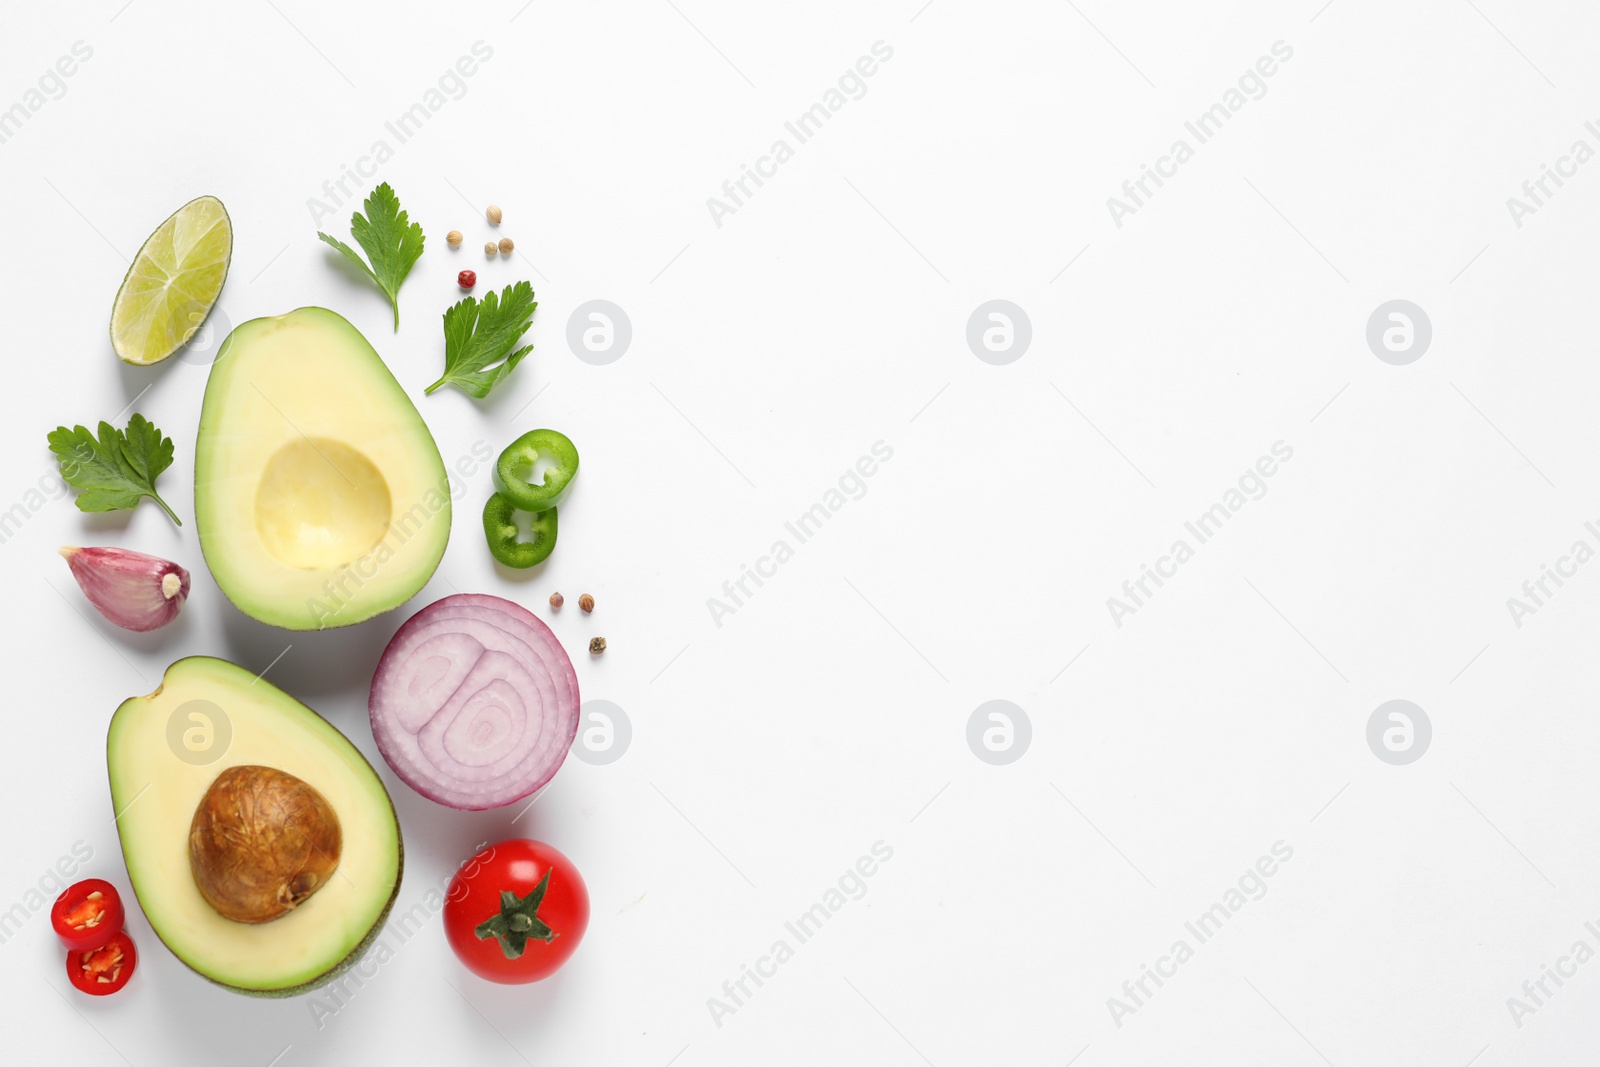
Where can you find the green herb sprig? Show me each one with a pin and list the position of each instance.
(392, 242)
(116, 470)
(478, 336)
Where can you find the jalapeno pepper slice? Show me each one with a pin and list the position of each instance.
(500, 527)
(520, 459)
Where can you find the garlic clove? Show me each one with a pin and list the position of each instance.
(135, 591)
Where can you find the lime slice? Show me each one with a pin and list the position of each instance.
(174, 280)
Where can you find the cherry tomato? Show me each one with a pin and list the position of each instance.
(516, 911)
(87, 914)
(102, 971)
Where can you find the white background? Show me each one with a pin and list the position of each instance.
(829, 712)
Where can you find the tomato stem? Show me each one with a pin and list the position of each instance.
(518, 920)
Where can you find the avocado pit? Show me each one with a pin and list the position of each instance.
(262, 841)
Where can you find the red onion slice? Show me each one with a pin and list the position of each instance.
(474, 703)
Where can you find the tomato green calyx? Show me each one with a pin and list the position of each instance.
(518, 920)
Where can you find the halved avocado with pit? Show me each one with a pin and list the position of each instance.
(211, 720)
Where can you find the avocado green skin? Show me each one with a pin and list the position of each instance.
(355, 954)
(111, 334)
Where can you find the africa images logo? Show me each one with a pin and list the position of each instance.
(1251, 85)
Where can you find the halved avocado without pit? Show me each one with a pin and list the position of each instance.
(320, 499)
(212, 723)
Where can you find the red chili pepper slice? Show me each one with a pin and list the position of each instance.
(102, 971)
(87, 915)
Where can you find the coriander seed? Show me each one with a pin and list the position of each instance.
(586, 602)
(506, 246)
(597, 646)
(556, 600)
(453, 238)
(493, 214)
(490, 249)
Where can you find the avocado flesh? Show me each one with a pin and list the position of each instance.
(155, 793)
(320, 498)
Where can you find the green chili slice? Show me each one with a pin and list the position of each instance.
(522, 456)
(500, 527)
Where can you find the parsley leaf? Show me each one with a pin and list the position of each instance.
(478, 336)
(117, 470)
(391, 241)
